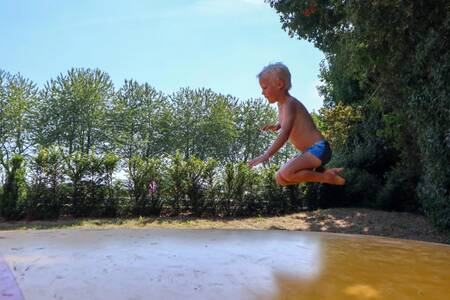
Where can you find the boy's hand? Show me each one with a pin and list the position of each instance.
(257, 161)
(271, 127)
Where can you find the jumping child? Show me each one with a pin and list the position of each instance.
(295, 124)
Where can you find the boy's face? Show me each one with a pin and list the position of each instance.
(271, 87)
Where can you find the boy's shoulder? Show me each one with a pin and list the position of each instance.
(295, 106)
(293, 102)
(295, 99)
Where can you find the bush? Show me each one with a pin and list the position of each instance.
(399, 191)
(13, 198)
(177, 184)
(238, 191)
(361, 188)
(45, 197)
(200, 184)
(144, 185)
(278, 199)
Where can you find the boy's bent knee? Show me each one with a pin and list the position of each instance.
(279, 178)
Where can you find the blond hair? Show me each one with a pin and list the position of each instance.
(278, 71)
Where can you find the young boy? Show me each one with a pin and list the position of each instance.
(296, 124)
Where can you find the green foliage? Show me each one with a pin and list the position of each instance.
(387, 100)
(200, 184)
(392, 59)
(232, 188)
(203, 124)
(73, 111)
(315, 195)
(13, 197)
(143, 174)
(338, 123)
(248, 201)
(140, 121)
(108, 168)
(361, 187)
(18, 98)
(90, 187)
(239, 191)
(45, 196)
(249, 117)
(434, 185)
(276, 199)
(76, 166)
(399, 189)
(177, 185)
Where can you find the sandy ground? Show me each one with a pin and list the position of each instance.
(336, 220)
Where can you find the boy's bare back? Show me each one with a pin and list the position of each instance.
(303, 132)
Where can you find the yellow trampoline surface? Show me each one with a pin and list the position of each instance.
(218, 264)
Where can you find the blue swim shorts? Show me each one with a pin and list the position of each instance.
(321, 150)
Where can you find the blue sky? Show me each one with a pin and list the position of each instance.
(217, 44)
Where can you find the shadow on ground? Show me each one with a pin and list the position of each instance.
(335, 220)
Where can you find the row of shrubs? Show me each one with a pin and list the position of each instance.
(53, 185)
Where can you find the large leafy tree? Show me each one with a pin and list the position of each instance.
(17, 128)
(390, 61)
(140, 119)
(203, 123)
(250, 116)
(73, 109)
(18, 100)
(218, 127)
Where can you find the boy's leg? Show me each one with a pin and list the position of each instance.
(284, 176)
(300, 169)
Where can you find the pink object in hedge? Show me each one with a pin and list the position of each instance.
(152, 187)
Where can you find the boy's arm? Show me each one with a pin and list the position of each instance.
(285, 132)
(271, 127)
(283, 136)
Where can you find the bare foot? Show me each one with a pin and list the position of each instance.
(336, 170)
(331, 176)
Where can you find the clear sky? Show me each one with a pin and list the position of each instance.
(170, 44)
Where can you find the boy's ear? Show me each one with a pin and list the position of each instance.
(280, 84)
